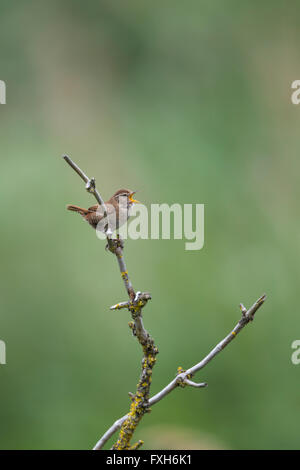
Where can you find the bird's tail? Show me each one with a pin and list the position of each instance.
(81, 211)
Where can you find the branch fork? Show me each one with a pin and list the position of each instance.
(183, 379)
(135, 305)
(184, 376)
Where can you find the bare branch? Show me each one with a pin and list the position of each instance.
(120, 305)
(243, 309)
(137, 445)
(115, 246)
(140, 402)
(76, 168)
(194, 384)
(140, 300)
(220, 346)
(110, 432)
(91, 188)
(183, 378)
(137, 301)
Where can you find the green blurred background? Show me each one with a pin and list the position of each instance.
(187, 102)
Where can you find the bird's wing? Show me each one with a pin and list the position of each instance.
(93, 208)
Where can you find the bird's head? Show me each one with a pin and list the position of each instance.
(124, 196)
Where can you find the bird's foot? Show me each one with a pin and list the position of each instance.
(115, 243)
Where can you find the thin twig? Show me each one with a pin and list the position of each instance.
(90, 185)
(183, 378)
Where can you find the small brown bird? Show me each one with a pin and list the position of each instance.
(117, 207)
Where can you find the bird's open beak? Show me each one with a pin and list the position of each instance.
(131, 198)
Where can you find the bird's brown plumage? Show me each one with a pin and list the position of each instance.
(94, 214)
